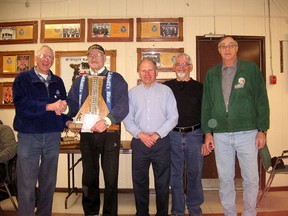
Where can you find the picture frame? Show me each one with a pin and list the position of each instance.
(6, 95)
(157, 80)
(60, 31)
(162, 56)
(19, 32)
(74, 63)
(159, 29)
(112, 30)
(14, 62)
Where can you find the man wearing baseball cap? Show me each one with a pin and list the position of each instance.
(99, 142)
(97, 47)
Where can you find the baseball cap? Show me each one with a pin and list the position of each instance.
(97, 47)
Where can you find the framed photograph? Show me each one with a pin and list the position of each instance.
(158, 80)
(19, 32)
(59, 31)
(6, 95)
(14, 62)
(71, 64)
(101, 30)
(159, 29)
(162, 56)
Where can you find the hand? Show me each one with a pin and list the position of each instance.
(209, 142)
(99, 126)
(260, 140)
(155, 136)
(58, 106)
(147, 138)
(204, 150)
(63, 106)
(68, 123)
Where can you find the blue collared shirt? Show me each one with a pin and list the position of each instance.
(151, 110)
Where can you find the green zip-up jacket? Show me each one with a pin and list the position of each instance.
(248, 107)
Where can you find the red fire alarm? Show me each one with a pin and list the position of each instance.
(273, 79)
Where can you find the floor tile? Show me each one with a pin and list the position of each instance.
(275, 203)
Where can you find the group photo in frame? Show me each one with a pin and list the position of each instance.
(6, 95)
(162, 56)
(14, 62)
(71, 64)
(19, 32)
(59, 31)
(117, 30)
(159, 29)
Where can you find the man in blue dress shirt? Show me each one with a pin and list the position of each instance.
(152, 115)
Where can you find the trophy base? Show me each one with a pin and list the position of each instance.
(75, 126)
(69, 142)
(78, 126)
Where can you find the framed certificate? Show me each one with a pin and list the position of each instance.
(9, 64)
(14, 62)
(6, 95)
(19, 32)
(59, 31)
(101, 30)
(162, 56)
(159, 29)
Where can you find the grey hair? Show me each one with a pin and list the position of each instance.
(227, 36)
(184, 55)
(47, 47)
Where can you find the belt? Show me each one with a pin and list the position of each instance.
(187, 129)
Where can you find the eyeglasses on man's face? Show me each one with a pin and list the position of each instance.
(184, 64)
(44, 56)
(225, 46)
(97, 55)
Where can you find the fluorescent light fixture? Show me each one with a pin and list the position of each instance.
(211, 35)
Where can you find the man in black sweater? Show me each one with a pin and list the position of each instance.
(186, 140)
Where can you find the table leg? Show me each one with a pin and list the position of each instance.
(71, 172)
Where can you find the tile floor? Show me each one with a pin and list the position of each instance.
(275, 203)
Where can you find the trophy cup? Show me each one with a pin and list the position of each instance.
(93, 109)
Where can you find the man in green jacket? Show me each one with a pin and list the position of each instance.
(234, 119)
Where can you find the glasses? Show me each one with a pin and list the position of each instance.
(44, 56)
(230, 45)
(98, 55)
(184, 64)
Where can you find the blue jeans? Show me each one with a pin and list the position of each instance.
(186, 151)
(227, 145)
(37, 159)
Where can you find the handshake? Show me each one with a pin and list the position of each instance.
(58, 107)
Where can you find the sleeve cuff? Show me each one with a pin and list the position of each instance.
(108, 122)
(66, 111)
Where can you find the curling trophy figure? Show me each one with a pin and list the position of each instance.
(94, 108)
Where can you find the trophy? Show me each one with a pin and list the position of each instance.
(93, 109)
